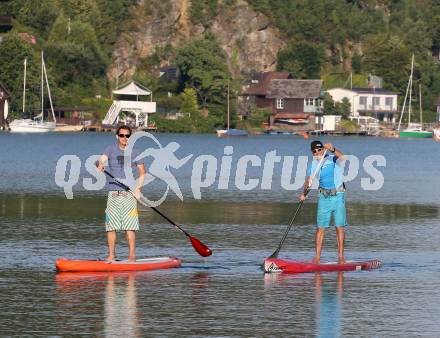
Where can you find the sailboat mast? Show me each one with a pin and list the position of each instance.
(42, 89)
(410, 91)
(48, 91)
(406, 94)
(24, 85)
(228, 105)
(420, 105)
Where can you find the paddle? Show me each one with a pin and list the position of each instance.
(277, 251)
(201, 248)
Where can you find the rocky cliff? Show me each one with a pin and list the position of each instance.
(247, 37)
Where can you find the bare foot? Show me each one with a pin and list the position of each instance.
(316, 260)
(341, 260)
(131, 259)
(110, 258)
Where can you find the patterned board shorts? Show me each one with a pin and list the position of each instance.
(121, 213)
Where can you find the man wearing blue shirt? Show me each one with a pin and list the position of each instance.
(121, 213)
(331, 196)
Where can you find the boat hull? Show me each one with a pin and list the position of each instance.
(220, 132)
(233, 133)
(415, 134)
(155, 263)
(272, 265)
(29, 126)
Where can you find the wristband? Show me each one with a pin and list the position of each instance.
(333, 151)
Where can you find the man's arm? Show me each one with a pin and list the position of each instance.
(101, 162)
(331, 148)
(305, 188)
(140, 180)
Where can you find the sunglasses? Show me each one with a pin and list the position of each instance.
(317, 150)
(124, 135)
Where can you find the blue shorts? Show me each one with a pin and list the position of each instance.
(331, 205)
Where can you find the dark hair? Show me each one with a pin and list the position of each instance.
(127, 128)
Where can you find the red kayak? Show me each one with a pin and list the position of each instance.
(146, 264)
(280, 265)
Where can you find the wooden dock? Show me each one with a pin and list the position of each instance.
(337, 133)
(99, 128)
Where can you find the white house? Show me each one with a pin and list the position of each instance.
(378, 103)
(137, 111)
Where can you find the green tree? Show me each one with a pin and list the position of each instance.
(82, 10)
(203, 11)
(75, 56)
(13, 52)
(329, 105)
(388, 57)
(38, 15)
(343, 108)
(202, 66)
(302, 59)
(356, 63)
(189, 101)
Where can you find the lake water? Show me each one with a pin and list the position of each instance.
(225, 295)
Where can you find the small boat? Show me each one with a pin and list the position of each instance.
(234, 133)
(272, 265)
(220, 132)
(153, 263)
(415, 131)
(31, 126)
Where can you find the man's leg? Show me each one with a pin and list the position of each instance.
(340, 235)
(111, 242)
(131, 237)
(340, 223)
(324, 214)
(319, 238)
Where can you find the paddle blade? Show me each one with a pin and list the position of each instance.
(201, 248)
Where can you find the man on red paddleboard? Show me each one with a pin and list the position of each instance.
(121, 213)
(331, 196)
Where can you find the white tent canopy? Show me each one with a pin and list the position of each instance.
(133, 88)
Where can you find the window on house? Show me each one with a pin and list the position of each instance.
(389, 101)
(363, 100)
(376, 101)
(280, 103)
(308, 102)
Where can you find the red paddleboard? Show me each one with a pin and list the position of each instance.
(280, 265)
(146, 264)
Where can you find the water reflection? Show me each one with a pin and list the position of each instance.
(324, 292)
(28, 206)
(120, 306)
(328, 300)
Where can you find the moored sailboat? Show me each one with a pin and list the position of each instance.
(414, 130)
(230, 132)
(37, 124)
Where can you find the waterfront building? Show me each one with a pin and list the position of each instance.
(128, 108)
(293, 104)
(375, 102)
